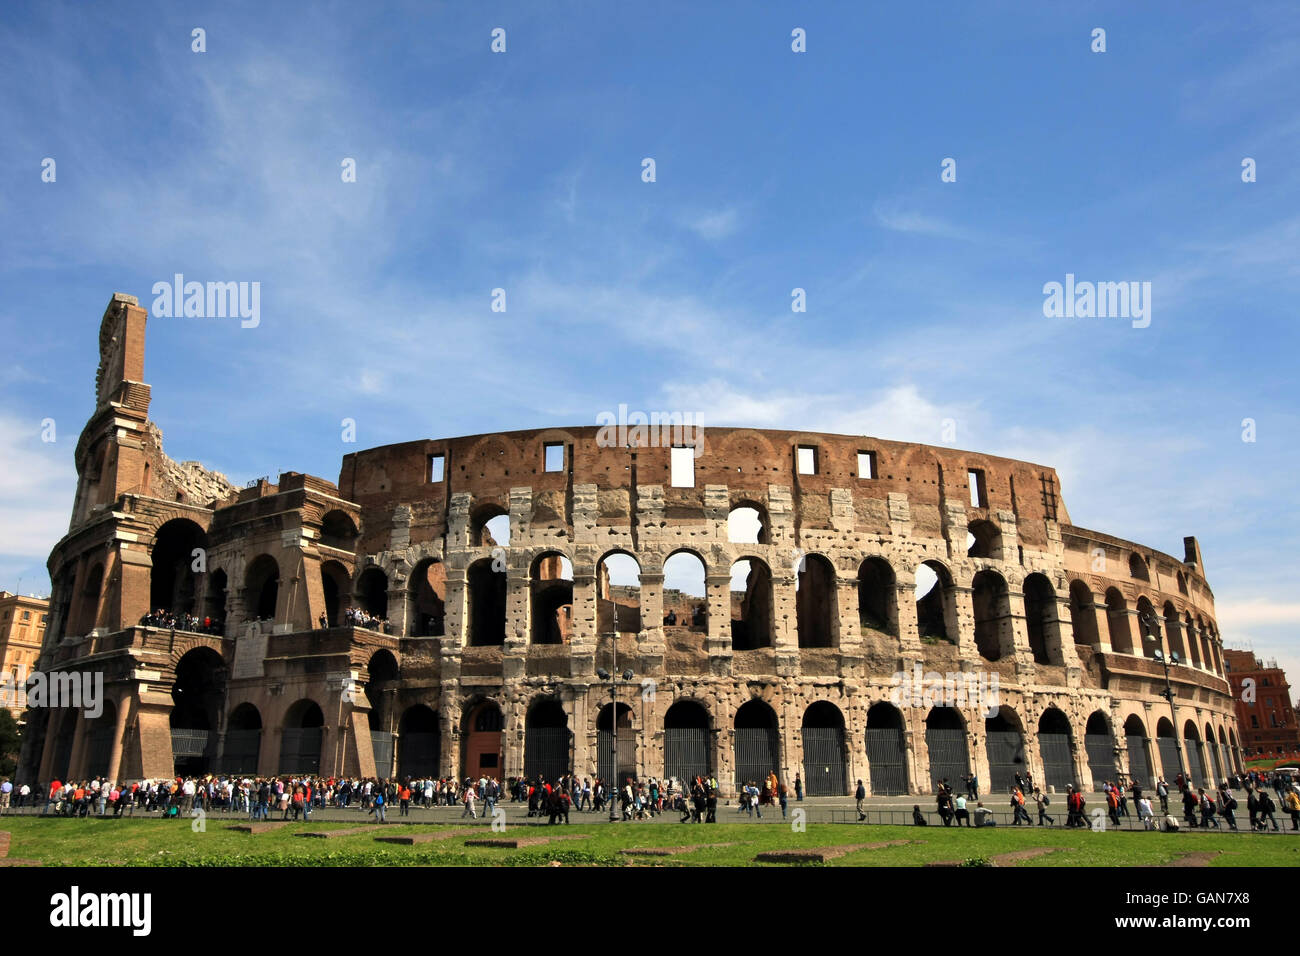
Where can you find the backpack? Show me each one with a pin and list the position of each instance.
(1047, 801)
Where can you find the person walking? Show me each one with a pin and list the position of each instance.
(860, 795)
(1266, 808)
(1162, 791)
(798, 788)
(1041, 801)
(1228, 805)
(1292, 804)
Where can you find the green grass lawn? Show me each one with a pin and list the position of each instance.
(93, 842)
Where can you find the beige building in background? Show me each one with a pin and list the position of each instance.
(22, 629)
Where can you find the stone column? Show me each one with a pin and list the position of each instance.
(717, 588)
(119, 734)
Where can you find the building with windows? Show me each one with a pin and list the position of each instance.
(1262, 697)
(22, 632)
(733, 601)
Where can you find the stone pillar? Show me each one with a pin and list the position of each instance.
(119, 735)
(400, 610)
(785, 617)
(717, 588)
(80, 742)
(651, 646)
(454, 604)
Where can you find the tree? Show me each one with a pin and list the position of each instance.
(10, 741)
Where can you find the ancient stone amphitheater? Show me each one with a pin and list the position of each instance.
(742, 607)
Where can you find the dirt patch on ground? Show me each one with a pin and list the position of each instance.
(1006, 859)
(412, 839)
(516, 842)
(823, 853)
(668, 850)
(261, 827)
(1197, 858)
(331, 834)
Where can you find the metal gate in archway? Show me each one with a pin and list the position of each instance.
(686, 753)
(381, 745)
(1006, 752)
(300, 750)
(949, 757)
(1139, 767)
(1101, 757)
(887, 760)
(418, 753)
(546, 752)
(1169, 762)
(1194, 767)
(626, 755)
(242, 748)
(1058, 761)
(757, 754)
(824, 774)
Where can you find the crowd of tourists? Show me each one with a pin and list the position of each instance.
(1201, 808)
(358, 617)
(181, 621)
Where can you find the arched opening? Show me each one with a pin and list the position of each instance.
(88, 610)
(1195, 761)
(1137, 568)
(99, 745)
(300, 741)
(877, 596)
(1083, 615)
(605, 762)
(1229, 763)
(991, 604)
(339, 531)
(243, 740)
(1182, 583)
(1167, 744)
(1054, 743)
(983, 540)
(372, 593)
(815, 602)
(618, 594)
(1041, 620)
(945, 740)
(197, 697)
(1216, 756)
(546, 740)
(487, 604)
(428, 586)
(173, 584)
(936, 608)
(419, 743)
(1099, 744)
(1174, 633)
(63, 741)
(1139, 755)
(685, 602)
(1119, 622)
(1207, 655)
(824, 766)
(482, 753)
(262, 587)
(1192, 639)
(382, 683)
(751, 605)
(757, 743)
(1236, 751)
(1005, 748)
(747, 523)
(886, 750)
(687, 749)
(335, 584)
(1148, 629)
(490, 527)
(214, 602)
(552, 598)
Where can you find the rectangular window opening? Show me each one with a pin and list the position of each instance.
(866, 464)
(554, 457)
(436, 463)
(807, 459)
(683, 468)
(979, 496)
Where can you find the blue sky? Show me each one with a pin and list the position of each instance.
(775, 170)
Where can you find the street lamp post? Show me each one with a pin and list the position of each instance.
(613, 712)
(1151, 624)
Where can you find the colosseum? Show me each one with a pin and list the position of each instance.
(533, 601)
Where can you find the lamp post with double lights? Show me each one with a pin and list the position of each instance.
(1151, 626)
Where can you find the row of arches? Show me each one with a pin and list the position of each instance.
(175, 586)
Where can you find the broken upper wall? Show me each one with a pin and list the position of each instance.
(746, 461)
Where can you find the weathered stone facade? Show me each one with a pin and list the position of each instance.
(492, 659)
